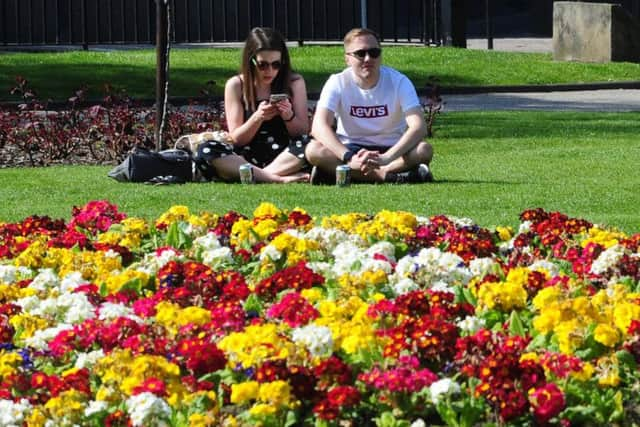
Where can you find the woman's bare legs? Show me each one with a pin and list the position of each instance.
(284, 164)
(227, 168)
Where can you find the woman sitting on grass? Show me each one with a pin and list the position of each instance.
(267, 131)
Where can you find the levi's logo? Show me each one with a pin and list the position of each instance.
(369, 111)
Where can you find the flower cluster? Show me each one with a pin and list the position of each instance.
(282, 319)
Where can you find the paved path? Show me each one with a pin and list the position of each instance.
(614, 100)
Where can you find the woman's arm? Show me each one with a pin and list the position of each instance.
(242, 132)
(295, 112)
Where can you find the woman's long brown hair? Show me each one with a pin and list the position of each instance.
(259, 39)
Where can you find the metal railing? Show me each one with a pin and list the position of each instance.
(93, 22)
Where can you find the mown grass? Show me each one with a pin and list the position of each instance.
(490, 166)
(56, 75)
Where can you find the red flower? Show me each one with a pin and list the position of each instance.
(547, 402)
(296, 277)
(152, 385)
(294, 310)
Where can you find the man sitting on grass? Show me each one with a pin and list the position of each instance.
(380, 122)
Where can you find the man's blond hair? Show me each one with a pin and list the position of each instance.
(357, 32)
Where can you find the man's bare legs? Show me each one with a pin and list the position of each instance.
(320, 156)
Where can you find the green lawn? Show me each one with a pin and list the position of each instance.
(57, 75)
(489, 166)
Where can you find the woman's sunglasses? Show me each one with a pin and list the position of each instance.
(374, 52)
(263, 65)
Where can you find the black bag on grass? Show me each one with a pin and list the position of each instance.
(142, 165)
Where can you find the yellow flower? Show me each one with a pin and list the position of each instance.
(264, 228)
(33, 256)
(504, 296)
(346, 222)
(257, 344)
(570, 335)
(174, 214)
(312, 295)
(607, 371)
(388, 225)
(116, 282)
(585, 374)
(36, 419)
(277, 393)
(547, 296)
(606, 335)
(172, 316)
(529, 356)
(606, 238)
(262, 409)
(9, 363)
(109, 237)
(624, 313)
(504, 233)
(11, 293)
(28, 324)
(135, 225)
(266, 209)
(244, 392)
(67, 405)
(203, 420)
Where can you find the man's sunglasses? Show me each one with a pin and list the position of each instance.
(374, 52)
(263, 65)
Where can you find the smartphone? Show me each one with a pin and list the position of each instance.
(277, 97)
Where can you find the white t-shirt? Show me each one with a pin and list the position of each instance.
(369, 117)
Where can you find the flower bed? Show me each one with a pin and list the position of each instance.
(279, 319)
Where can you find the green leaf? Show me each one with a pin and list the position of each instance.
(253, 303)
(176, 236)
(515, 325)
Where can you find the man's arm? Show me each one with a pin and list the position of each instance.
(322, 131)
(416, 131)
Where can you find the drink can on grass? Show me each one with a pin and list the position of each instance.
(343, 175)
(246, 173)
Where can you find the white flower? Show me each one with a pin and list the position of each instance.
(207, 242)
(525, 227)
(110, 311)
(147, 409)
(10, 273)
(322, 268)
(443, 386)
(72, 281)
(317, 339)
(329, 238)
(545, 266)
(46, 278)
(12, 414)
(470, 324)
(76, 306)
(607, 259)
(270, 253)
(480, 267)
(462, 221)
(88, 360)
(40, 339)
(430, 266)
(95, 406)
(217, 257)
(404, 286)
(441, 286)
(418, 423)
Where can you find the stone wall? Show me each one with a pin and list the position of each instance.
(594, 32)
